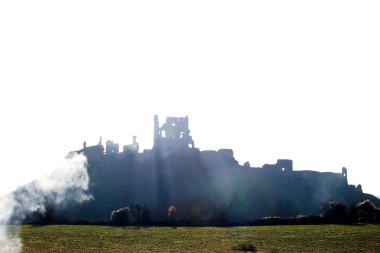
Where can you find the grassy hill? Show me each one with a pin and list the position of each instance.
(325, 238)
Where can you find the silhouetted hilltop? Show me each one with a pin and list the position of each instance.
(174, 172)
(202, 183)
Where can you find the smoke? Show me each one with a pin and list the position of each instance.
(65, 186)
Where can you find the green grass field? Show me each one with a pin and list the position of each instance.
(324, 238)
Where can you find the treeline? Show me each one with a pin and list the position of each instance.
(332, 213)
(137, 215)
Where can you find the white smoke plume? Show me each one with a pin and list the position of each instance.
(67, 185)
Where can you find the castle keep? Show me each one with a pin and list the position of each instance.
(174, 133)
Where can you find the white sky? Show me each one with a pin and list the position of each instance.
(269, 79)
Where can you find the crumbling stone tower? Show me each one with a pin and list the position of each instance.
(173, 134)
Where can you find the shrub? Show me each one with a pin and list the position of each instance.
(246, 247)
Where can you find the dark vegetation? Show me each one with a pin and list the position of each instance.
(246, 247)
(332, 213)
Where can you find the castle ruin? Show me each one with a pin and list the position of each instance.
(174, 171)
